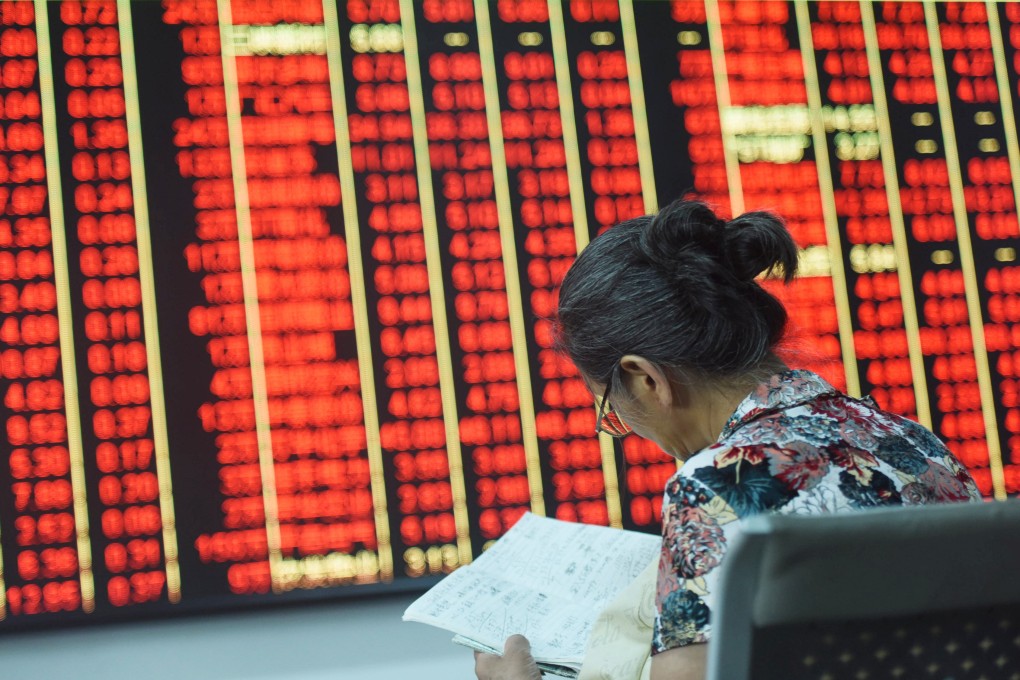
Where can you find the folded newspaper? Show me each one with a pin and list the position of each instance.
(545, 579)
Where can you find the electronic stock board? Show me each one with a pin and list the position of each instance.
(276, 277)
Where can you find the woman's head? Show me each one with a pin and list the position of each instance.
(677, 289)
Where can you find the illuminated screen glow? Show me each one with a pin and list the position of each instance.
(275, 276)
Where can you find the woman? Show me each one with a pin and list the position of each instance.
(665, 319)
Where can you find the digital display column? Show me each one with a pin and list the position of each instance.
(532, 91)
(909, 86)
(606, 98)
(128, 476)
(974, 136)
(316, 477)
(882, 312)
(607, 143)
(679, 84)
(225, 410)
(47, 566)
(461, 156)
(411, 352)
(766, 130)
(1002, 283)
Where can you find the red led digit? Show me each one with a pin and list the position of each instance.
(522, 11)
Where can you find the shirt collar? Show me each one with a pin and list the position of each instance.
(781, 391)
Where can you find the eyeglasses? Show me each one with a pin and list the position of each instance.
(608, 420)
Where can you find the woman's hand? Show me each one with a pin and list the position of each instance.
(515, 664)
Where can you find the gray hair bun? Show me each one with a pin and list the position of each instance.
(687, 235)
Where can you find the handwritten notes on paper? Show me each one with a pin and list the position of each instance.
(545, 579)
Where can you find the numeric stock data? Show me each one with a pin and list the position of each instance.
(277, 278)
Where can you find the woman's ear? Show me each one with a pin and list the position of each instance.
(646, 381)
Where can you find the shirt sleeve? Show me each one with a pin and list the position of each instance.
(697, 525)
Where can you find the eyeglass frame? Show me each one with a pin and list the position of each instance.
(603, 413)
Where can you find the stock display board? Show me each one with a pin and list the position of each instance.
(276, 276)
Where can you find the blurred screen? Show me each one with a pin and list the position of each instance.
(276, 277)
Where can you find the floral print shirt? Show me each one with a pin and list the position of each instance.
(794, 446)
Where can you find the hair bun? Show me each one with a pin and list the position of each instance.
(680, 233)
(757, 242)
(685, 234)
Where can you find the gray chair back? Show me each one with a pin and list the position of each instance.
(920, 592)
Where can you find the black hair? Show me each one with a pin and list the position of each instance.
(679, 289)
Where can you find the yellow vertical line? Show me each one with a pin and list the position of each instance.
(362, 335)
(62, 282)
(839, 283)
(504, 209)
(722, 96)
(896, 220)
(1006, 101)
(434, 262)
(508, 245)
(147, 278)
(1005, 97)
(628, 26)
(249, 284)
(967, 264)
(561, 59)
